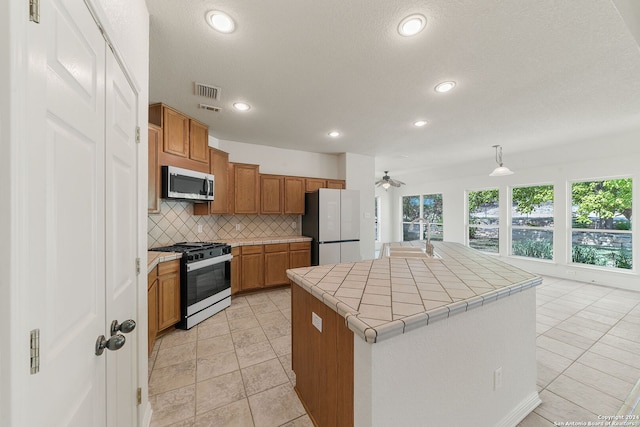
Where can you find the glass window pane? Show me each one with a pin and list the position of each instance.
(532, 206)
(602, 205)
(432, 207)
(484, 239)
(410, 208)
(410, 232)
(436, 232)
(532, 243)
(483, 207)
(601, 248)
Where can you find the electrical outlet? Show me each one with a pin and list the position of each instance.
(199, 228)
(497, 378)
(294, 225)
(238, 227)
(316, 321)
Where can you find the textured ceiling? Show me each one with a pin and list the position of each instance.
(529, 74)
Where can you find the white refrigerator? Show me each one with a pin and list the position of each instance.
(332, 220)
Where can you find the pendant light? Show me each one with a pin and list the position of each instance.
(500, 170)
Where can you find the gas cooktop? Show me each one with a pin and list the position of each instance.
(189, 246)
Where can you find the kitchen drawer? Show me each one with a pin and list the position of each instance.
(169, 267)
(299, 246)
(276, 247)
(252, 249)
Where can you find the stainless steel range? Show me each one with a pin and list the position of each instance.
(205, 280)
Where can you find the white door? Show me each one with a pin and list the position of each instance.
(68, 224)
(121, 234)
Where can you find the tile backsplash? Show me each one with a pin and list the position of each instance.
(176, 223)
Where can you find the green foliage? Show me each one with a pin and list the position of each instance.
(606, 199)
(540, 249)
(586, 255)
(527, 199)
(432, 208)
(482, 199)
(410, 208)
(623, 259)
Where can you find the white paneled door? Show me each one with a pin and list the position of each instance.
(78, 164)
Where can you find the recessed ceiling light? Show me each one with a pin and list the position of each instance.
(241, 106)
(420, 123)
(445, 87)
(220, 21)
(334, 134)
(412, 25)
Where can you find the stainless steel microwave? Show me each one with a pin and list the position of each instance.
(185, 184)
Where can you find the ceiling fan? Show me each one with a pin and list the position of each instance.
(387, 181)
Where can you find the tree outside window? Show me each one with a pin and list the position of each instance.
(429, 208)
(532, 221)
(484, 220)
(601, 231)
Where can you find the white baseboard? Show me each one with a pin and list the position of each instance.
(521, 411)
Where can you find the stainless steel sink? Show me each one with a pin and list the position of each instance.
(408, 252)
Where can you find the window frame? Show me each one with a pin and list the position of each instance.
(511, 227)
(421, 225)
(570, 228)
(488, 226)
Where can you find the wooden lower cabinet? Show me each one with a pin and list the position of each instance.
(276, 263)
(322, 361)
(168, 294)
(255, 267)
(152, 308)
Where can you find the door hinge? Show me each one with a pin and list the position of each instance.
(139, 396)
(137, 265)
(34, 11)
(35, 351)
(138, 134)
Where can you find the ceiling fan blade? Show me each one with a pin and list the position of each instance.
(397, 182)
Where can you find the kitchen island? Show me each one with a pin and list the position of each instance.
(415, 340)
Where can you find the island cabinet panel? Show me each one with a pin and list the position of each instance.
(152, 308)
(198, 141)
(168, 294)
(154, 188)
(246, 188)
(293, 195)
(322, 361)
(276, 263)
(271, 194)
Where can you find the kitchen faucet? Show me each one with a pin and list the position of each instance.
(428, 247)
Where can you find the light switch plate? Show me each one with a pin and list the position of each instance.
(316, 321)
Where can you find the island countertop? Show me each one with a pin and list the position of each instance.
(385, 297)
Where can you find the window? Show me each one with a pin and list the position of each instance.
(601, 223)
(532, 222)
(483, 220)
(422, 217)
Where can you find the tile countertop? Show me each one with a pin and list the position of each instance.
(386, 297)
(155, 258)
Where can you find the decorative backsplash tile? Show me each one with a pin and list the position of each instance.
(176, 223)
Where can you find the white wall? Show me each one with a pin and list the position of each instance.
(359, 174)
(604, 164)
(281, 161)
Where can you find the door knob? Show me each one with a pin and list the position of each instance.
(125, 327)
(114, 343)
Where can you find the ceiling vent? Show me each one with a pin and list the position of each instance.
(208, 91)
(209, 107)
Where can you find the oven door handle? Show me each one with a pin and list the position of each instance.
(207, 262)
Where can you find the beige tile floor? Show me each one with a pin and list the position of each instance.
(234, 368)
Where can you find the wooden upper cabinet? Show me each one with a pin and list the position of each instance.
(175, 132)
(336, 183)
(271, 194)
(246, 188)
(313, 184)
(198, 141)
(154, 188)
(293, 195)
